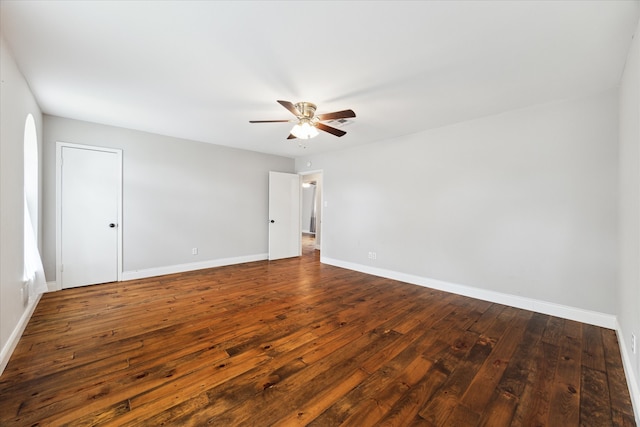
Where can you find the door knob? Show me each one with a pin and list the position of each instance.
(272, 221)
(112, 225)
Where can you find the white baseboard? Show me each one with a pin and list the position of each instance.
(632, 382)
(12, 342)
(53, 286)
(578, 314)
(180, 268)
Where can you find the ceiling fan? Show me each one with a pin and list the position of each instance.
(307, 123)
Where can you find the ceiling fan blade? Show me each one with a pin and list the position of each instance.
(332, 130)
(344, 114)
(269, 121)
(289, 106)
(291, 136)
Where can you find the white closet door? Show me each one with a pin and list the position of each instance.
(90, 192)
(284, 215)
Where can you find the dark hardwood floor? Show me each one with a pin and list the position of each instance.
(294, 342)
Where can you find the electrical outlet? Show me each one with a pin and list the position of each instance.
(194, 251)
(372, 255)
(633, 343)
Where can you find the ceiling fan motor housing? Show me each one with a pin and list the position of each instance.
(306, 109)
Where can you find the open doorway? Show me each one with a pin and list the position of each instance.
(311, 211)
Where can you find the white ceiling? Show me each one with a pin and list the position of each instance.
(201, 70)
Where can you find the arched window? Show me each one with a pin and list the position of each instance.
(33, 271)
(31, 172)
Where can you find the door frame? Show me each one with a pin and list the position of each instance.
(118, 152)
(320, 206)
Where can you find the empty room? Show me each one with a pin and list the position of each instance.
(323, 213)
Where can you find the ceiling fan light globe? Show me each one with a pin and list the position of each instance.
(304, 130)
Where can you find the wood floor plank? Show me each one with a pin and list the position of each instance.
(479, 392)
(595, 407)
(565, 396)
(621, 408)
(296, 342)
(381, 403)
(553, 333)
(448, 397)
(593, 348)
(487, 318)
(517, 377)
(406, 408)
(461, 416)
(538, 397)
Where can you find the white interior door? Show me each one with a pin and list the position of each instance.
(284, 215)
(89, 216)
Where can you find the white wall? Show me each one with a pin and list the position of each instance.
(16, 103)
(177, 195)
(629, 296)
(522, 203)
